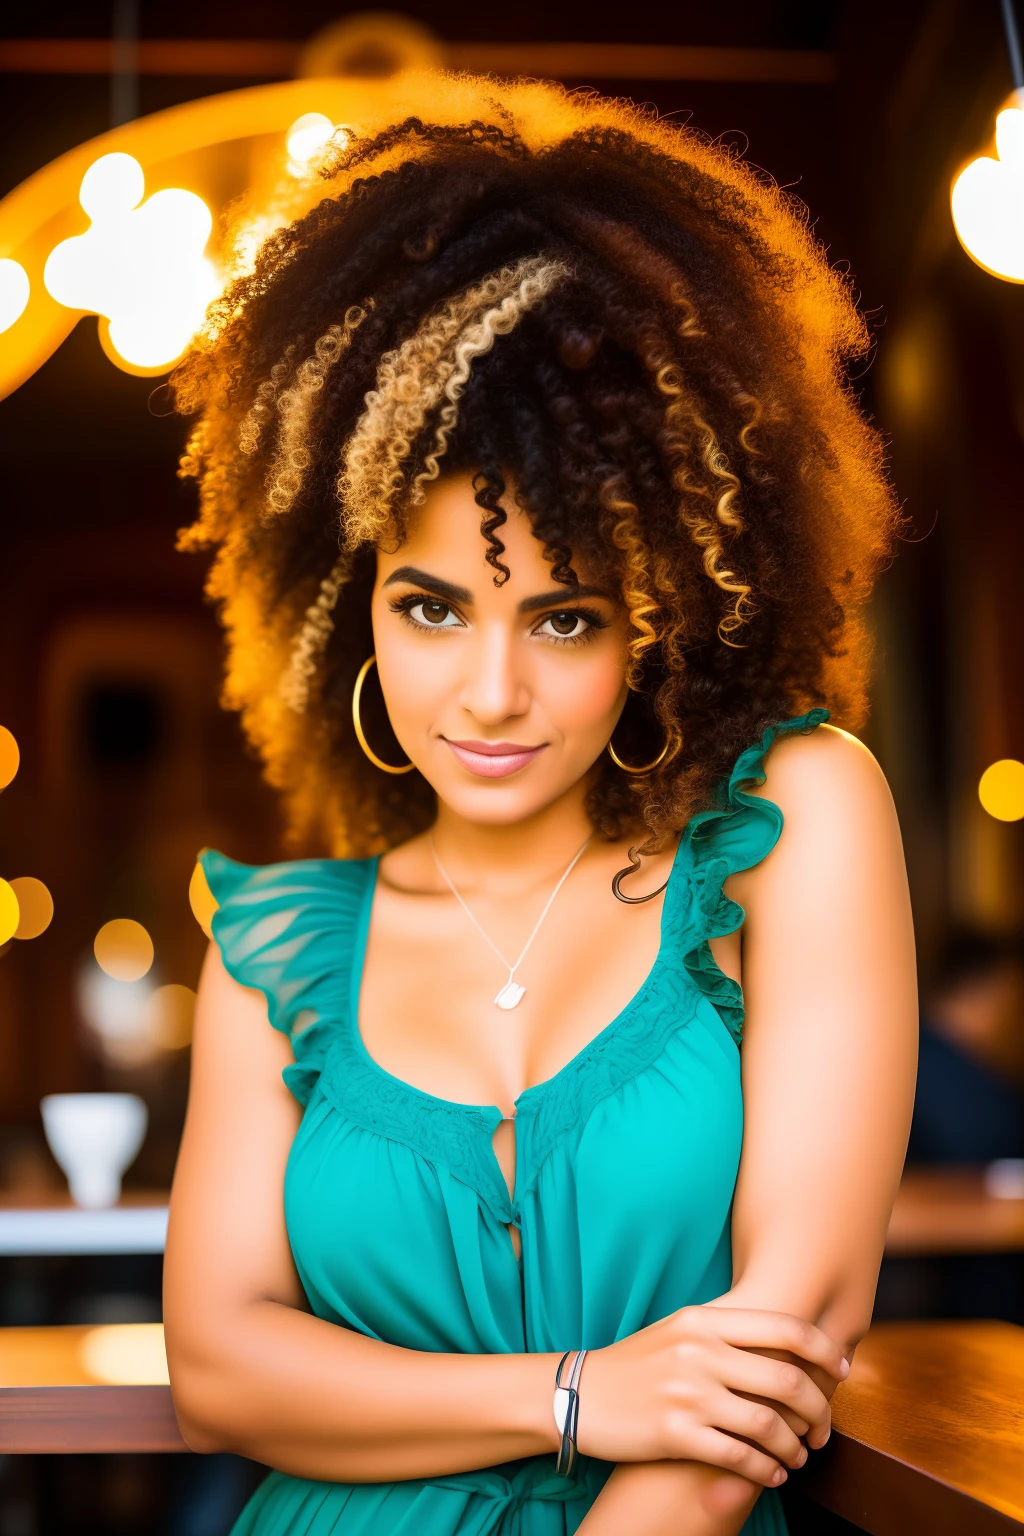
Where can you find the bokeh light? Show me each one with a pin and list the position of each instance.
(10, 912)
(306, 137)
(987, 201)
(202, 900)
(14, 292)
(115, 1016)
(10, 757)
(167, 1017)
(141, 264)
(35, 904)
(123, 949)
(1001, 789)
(126, 1354)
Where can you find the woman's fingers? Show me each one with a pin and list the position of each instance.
(760, 1423)
(722, 1450)
(796, 1422)
(778, 1380)
(748, 1329)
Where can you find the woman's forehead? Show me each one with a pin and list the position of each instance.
(443, 536)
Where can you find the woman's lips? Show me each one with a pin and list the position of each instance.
(493, 759)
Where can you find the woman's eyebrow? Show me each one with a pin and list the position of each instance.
(561, 594)
(453, 594)
(417, 578)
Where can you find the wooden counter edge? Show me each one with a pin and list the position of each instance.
(60, 1420)
(885, 1496)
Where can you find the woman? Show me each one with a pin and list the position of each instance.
(544, 520)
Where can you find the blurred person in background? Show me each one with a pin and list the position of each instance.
(970, 1081)
(969, 1111)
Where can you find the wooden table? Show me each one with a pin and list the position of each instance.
(928, 1433)
(928, 1436)
(65, 1389)
(949, 1210)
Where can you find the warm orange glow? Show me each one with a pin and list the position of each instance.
(987, 200)
(1001, 789)
(123, 949)
(35, 905)
(202, 900)
(10, 912)
(10, 757)
(168, 1016)
(44, 211)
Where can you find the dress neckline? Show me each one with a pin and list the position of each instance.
(536, 1091)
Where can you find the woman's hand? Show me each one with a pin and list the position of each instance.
(698, 1385)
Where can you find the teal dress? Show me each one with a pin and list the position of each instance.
(397, 1210)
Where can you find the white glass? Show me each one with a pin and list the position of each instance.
(94, 1137)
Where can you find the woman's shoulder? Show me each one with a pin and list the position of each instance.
(819, 776)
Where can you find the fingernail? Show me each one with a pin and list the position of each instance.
(844, 1370)
(802, 1457)
(824, 1442)
(780, 1476)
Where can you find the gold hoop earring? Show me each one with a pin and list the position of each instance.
(357, 693)
(647, 768)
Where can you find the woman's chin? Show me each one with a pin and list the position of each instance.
(497, 802)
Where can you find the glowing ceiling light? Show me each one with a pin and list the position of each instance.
(140, 265)
(14, 292)
(987, 200)
(305, 139)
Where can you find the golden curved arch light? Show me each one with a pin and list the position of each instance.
(14, 292)
(190, 149)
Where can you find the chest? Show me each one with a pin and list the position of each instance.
(426, 998)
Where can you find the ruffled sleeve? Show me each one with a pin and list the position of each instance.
(736, 834)
(289, 931)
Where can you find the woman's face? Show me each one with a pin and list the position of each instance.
(504, 696)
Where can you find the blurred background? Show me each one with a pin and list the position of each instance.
(119, 766)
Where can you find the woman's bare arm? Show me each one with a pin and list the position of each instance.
(252, 1370)
(829, 1061)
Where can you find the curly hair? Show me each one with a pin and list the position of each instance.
(610, 313)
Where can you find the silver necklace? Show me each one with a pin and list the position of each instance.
(511, 994)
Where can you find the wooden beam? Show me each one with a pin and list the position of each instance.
(275, 59)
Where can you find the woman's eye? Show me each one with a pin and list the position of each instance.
(431, 610)
(566, 624)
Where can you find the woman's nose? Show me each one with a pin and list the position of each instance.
(495, 687)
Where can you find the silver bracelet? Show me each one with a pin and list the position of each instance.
(567, 1408)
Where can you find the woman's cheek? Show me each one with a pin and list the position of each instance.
(414, 680)
(586, 697)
